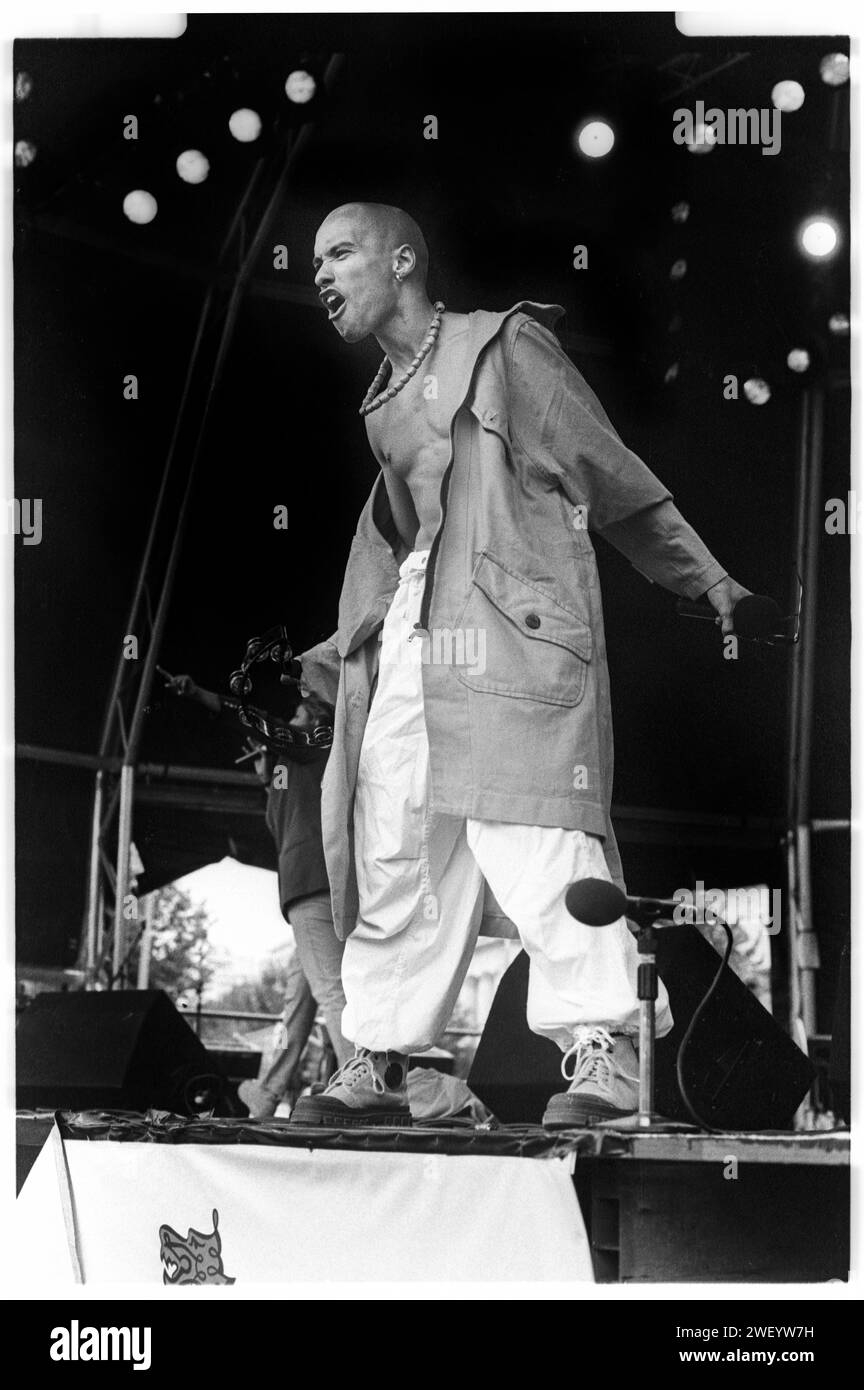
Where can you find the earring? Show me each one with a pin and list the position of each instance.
(398, 275)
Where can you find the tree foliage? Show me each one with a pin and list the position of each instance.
(264, 995)
(182, 958)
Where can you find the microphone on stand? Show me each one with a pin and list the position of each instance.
(757, 618)
(597, 903)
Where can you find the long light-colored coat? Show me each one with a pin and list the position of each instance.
(525, 735)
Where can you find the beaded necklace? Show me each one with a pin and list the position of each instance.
(375, 397)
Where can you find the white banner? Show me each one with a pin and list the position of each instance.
(241, 1214)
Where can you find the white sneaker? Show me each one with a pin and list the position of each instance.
(370, 1089)
(604, 1080)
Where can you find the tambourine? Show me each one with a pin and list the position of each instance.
(276, 731)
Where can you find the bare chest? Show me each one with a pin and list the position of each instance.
(411, 432)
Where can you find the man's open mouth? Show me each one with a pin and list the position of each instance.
(333, 302)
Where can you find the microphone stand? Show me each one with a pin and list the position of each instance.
(646, 1119)
(646, 992)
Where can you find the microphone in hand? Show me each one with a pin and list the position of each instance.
(756, 617)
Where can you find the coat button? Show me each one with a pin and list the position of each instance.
(531, 620)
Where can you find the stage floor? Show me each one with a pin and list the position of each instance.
(676, 1143)
(663, 1206)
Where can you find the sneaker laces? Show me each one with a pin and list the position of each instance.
(593, 1060)
(354, 1071)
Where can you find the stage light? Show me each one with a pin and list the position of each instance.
(595, 139)
(839, 324)
(757, 391)
(245, 125)
(680, 212)
(704, 138)
(23, 86)
(25, 153)
(798, 360)
(787, 96)
(834, 69)
(193, 166)
(678, 269)
(818, 237)
(140, 206)
(300, 87)
(671, 374)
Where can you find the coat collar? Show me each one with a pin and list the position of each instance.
(376, 524)
(485, 325)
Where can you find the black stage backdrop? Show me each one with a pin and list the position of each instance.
(503, 200)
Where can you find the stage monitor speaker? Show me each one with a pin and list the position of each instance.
(742, 1071)
(121, 1050)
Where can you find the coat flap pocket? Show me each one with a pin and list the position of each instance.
(534, 609)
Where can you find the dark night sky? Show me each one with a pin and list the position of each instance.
(503, 200)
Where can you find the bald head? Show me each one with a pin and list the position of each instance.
(387, 230)
(390, 229)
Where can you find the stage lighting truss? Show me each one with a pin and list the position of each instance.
(300, 86)
(757, 391)
(787, 96)
(25, 153)
(594, 139)
(140, 206)
(192, 166)
(245, 125)
(819, 237)
(834, 69)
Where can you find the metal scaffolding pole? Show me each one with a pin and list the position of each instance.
(803, 944)
(121, 891)
(146, 948)
(94, 884)
(205, 376)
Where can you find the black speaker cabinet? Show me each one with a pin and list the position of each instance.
(741, 1069)
(123, 1050)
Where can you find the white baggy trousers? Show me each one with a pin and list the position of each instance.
(421, 885)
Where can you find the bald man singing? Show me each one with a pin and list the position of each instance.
(472, 736)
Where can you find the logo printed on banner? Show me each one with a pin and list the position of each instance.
(76, 1343)
(195, 1258)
